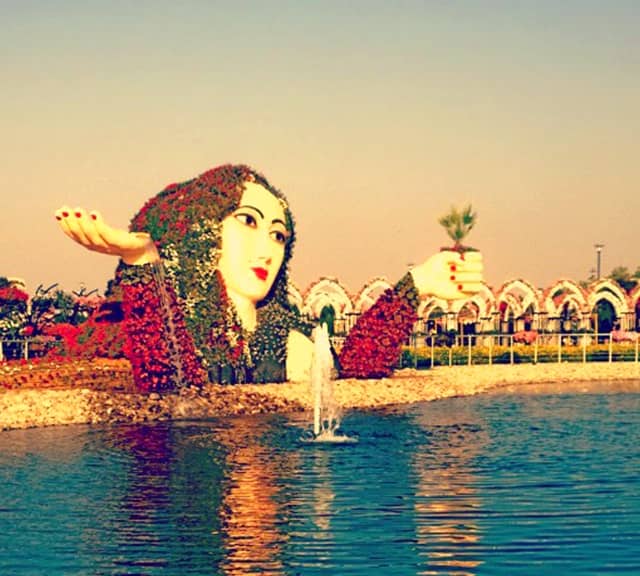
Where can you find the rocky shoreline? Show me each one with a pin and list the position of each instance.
(34, 407)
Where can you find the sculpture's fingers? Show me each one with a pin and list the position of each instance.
(467, 277)
(461, 278)
(470, 288)
(64, 217)
(473, 268)
(86, 223)
(465, 265)
(111, 237)
(76, 226)
(473, 256)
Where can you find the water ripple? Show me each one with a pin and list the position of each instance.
(486, 485)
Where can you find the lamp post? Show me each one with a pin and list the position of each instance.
(598, 248)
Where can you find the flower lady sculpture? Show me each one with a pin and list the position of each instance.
(204, 274)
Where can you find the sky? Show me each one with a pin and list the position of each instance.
(373, 117)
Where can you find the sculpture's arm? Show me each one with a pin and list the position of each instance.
(374, 344)
(90, 230)
(161, 353)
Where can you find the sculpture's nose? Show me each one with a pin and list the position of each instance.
(264, 247)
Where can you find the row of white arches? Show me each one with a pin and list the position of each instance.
(516, 305)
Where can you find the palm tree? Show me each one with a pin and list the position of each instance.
(458, 223)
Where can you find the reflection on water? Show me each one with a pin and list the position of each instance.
(447, 502)
(249, 511)
(487, 485)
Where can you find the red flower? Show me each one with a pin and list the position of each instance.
(374, 344)
(13, 294)
(148, 343)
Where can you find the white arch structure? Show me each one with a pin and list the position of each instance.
(370, 293)
(518, 298)
(610, 291)
(327, 292)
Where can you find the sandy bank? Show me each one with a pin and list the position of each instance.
(24, 408)
(409, 386)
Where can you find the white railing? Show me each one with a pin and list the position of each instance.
(25, 345)
(588, 344)
(590, 347)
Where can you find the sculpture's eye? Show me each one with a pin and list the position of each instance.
(247, 219)
(279, 236)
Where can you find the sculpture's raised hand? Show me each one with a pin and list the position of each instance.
(449, 275)
(92, 232)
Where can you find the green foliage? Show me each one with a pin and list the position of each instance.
(420, 357)
(53, 306)
(458, 223)
(63, 302)
(623, 276)
(606, 315)
(13, 310)
(328, 317)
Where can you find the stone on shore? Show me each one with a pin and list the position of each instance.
(26, 407)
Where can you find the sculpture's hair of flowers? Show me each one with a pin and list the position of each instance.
(184, 221)
(180, 215)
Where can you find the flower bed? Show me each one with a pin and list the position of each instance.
(421, 356)
(97, 374)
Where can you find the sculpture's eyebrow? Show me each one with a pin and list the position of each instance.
(274, 221)
(252, 208)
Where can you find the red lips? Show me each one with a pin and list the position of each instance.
(261, 273)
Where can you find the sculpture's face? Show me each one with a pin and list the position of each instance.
(253, 242)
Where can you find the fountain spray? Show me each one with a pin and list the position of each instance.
(326, 414)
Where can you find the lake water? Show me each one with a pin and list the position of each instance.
(499, 484)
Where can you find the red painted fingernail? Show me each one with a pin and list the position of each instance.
(459, 286)
(452, 278)
(78, 214)
(94, 217)
(452, 268)
(58, 217)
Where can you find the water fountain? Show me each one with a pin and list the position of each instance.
(326, 413)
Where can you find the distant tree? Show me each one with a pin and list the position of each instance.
(623, 276)
(113, 289)
(590, 279)
(458, 224)
(328, 317)
(63, 304)
(41, 312)
(13, 310)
